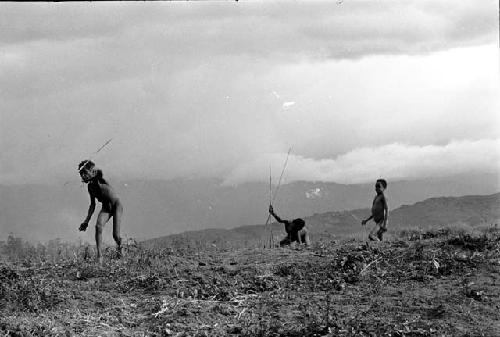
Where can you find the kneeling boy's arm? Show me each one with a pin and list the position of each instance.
(277, 218)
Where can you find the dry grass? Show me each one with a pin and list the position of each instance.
(434, 283)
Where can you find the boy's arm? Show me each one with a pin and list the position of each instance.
(366, 220)
(85, 222)
(271, 211)
(386, 211)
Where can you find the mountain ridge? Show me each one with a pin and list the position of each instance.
(157, 208)
(469, 210)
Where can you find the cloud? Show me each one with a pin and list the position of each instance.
(313, 193)
(319, 29)
(89, 44)
(361, 29)
(392, 161)
(199, 89)
(180, 123)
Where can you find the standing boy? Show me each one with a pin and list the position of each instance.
(99, 189)
(296, 230)
(380, 212)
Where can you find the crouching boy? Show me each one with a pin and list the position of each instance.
(295, 229)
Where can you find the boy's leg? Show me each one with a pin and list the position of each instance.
(304, 235)
(102, 218)
(294, 239)
(285, 241)
(373, 233)
(381, 231)
(117, 218)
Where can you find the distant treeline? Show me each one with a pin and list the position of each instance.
(15, 248)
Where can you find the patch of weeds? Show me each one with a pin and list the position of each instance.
(286, 270)
(276, 329)
(467, 241)
(436, 233)
(418, 234)
(8, 278)
(150, 282)
(29, 294)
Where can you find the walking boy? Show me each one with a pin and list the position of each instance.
(99, 189)
(380, 212)
(296, 230)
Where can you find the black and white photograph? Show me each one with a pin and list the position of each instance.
(250, 168)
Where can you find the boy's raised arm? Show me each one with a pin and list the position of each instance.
(271, 211)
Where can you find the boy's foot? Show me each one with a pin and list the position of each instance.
(380, 233)
(119, 253)
(373, 238)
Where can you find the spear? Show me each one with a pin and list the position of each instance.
(273, 197)
(90, 157)
(281, 176)
(355, 217)
(271, 237)
(270, 187)
(96, 152)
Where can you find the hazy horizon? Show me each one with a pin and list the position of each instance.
(159, 208)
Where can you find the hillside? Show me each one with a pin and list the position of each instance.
(430, 213)
(444, 285)
(469, 210)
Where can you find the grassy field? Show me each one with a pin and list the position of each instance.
(439, 283)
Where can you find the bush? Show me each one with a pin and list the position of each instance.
(27, 293)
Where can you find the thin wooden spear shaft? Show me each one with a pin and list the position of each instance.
(281, 176)
(270, 187)
(93, 154)
(271, 237)
(277, 187)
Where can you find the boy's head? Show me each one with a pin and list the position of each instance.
(86, 168)
(380, 185)
(298, 223)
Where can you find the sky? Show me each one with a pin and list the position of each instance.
(356, 89)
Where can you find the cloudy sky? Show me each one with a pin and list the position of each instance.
(357, 89)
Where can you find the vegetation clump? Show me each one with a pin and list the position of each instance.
(440, 285)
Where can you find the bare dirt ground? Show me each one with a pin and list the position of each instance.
(436, 284)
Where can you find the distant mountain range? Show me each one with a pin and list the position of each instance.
(158, 208)
(430, 213)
